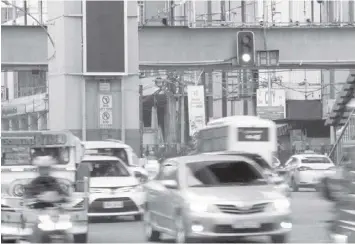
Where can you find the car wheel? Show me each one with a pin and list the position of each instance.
(138, 217)
(279, 238)
(151, 234)
(81, 238)
(294, 185)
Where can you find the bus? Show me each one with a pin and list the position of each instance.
(18, 149)
(248, 134)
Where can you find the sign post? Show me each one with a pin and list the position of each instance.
(105, 114)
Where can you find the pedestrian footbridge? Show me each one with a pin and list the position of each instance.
(164, 47)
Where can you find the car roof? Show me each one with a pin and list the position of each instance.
(104, 144)
(207, 157)
(305, 155)
(99, 158)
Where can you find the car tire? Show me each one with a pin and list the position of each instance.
(138, 217)
(279, 238)
(151, 234)
(294, 185)
(81, 238)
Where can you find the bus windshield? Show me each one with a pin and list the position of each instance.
(20, 156)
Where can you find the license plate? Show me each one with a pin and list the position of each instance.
(113, 205)
(246, 225)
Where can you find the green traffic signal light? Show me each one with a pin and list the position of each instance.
(246, 49)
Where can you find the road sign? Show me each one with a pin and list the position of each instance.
(106, 119)
(105, 114)
(106, 101)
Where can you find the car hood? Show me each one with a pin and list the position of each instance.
(102, 182)
(234, 193)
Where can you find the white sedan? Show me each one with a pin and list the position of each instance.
(114, 188)
(307, 169)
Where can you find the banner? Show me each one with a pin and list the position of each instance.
(196, 106)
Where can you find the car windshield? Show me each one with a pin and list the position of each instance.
(121, 153)
(316, 160)
(211, 174)
(107, 169)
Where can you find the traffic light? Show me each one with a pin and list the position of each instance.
(246, 48)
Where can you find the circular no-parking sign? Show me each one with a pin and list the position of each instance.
(106, 116)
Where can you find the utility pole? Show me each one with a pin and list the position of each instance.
(25, 11)
(141, 123)
(243, 11)
(172, 13)
(171, 113)
(224, 94)
(255, 80)
(245, 92)
(223, 10)
(182, 111)
(244, 72)
(209, 12)
(207, 109)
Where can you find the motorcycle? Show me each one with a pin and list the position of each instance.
(52, 224)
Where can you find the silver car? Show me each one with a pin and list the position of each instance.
(214, 197)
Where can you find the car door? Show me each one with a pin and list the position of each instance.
(167, 197)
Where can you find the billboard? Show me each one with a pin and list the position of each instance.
(105, 37)
(277, 110)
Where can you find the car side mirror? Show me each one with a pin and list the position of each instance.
(138, 174)
(170, 184)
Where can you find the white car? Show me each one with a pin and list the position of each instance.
(306, 170)
(114, 188)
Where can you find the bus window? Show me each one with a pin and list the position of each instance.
(214, 139)
(253, 134)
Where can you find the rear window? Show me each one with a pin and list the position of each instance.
(107, 169)
(212, 174)
(316, 160)
(249, 134)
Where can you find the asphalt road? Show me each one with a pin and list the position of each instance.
(310, 220)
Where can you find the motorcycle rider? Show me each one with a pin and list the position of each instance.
(45, 183)
(46, 190)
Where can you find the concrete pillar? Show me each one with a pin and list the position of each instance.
(42, 120)
(65, 79)
(11, 125)
(22, 124)
(4, 124)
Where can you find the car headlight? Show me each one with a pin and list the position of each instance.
(281, 205)
(202, 207)
(18, 190)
